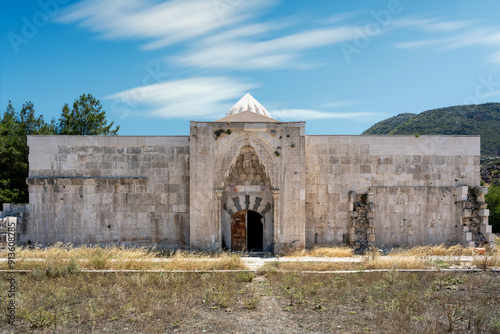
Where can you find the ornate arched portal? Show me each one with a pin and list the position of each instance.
(246, 190)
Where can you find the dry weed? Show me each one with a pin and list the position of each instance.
(121, 258)
(309, 266)
(322, 252)
(442, 250)
(395, 262)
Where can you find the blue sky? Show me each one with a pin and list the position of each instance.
(339, 65)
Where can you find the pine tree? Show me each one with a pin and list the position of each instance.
(14, 127)
(85, 118)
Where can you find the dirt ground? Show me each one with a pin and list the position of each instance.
(270, 302)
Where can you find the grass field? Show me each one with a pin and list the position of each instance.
(391, 302)
(56, 296)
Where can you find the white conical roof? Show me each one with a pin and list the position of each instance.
(248, 103)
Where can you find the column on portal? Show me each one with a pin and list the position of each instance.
(216, 242)
(277, 222)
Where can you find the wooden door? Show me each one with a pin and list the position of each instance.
(239, 231)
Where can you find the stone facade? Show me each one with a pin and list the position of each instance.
(109, 189)
(249, 177)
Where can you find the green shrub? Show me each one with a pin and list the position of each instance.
(492, 198)
(245, 277)
(99, 258)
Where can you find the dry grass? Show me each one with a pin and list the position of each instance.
(61, 258)
(223, 262)
(378, 262)
(309, 266)
(65, 258)
(397, 262)
(322, 252)
(68, 251)
(441, 250)
(487, 262)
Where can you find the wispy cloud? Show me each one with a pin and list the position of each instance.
(451, 35)
(200, 97)
(339, 17)
(212, 36)
(479, 36)
(432, 25)
(310, 114)
(236, 38)
(242, 54)
(495, 58)
(339, 104)
(422, 43)
(163, 23)
(491, 94)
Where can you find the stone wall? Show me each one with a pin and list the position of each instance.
(407, 216)
(109, 190)
(412, 180)
(181, 191)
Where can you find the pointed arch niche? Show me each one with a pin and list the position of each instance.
(246, 188)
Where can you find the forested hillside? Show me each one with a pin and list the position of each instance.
(481, 119)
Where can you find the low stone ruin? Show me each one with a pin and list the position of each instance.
(16, 214)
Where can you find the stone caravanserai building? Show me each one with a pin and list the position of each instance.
(248, 181)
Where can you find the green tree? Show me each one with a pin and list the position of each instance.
(492, 198)
(14, 127)
(32, 125)
(85, 118)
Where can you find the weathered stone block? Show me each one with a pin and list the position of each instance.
(485, 229)
(490, 238)
(482, 190)
(467, 236)
(484, 212)
(462, 193)
(371, 207)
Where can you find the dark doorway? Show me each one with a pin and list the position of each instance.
(255, 231)
(247, 231)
